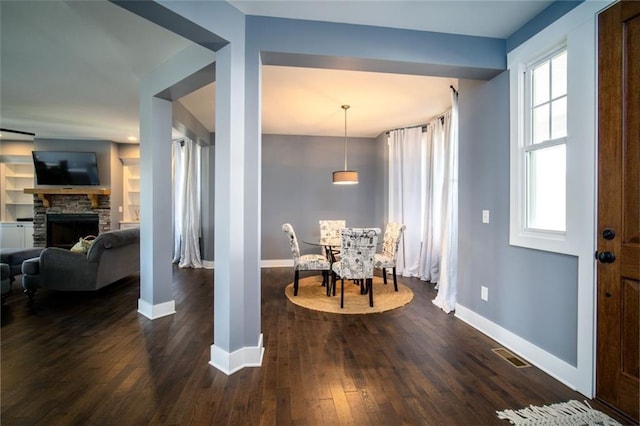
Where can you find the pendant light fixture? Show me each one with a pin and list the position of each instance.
(345, 177)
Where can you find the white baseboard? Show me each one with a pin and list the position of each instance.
(277, 263)
(274, 263)
(229, 363)
(550, 364)
(156, 311)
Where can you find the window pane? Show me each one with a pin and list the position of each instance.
(541, 123)
(541, 83)
(559, 118)
(559, 75)
(546, 189)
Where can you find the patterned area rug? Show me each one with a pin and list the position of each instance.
(573, 413)
(312, 295)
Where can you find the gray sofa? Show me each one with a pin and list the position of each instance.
(112, 256)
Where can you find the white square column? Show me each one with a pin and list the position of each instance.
(237, 341)
(156, 296)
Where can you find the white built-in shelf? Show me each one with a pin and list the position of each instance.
(16, 173)
(131, 190)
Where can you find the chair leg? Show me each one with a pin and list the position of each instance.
(341, 292)
(395, 279)
(333, 285)
(370, 288)
(384, 275)
(296, 277)
(325, 277)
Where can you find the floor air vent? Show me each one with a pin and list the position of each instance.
(513, 359)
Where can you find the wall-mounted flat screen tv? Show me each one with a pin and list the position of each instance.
(66, 168)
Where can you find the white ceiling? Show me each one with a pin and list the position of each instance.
(70, 69)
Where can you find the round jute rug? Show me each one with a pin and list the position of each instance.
(312, 295)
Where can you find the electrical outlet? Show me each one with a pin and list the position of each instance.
(484, 293)
(485, 216)
(119, 209)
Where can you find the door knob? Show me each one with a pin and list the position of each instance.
(608, 234)
(606, 257)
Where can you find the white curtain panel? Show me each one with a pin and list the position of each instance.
(448, 281)
(423, 194)
(187, 183)
(434, 149)
(405, 195)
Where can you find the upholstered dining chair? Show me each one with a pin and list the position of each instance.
(305, 262)
(389, 256)
(358, 251)
(330, 229)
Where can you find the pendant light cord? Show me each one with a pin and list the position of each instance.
(345, 108)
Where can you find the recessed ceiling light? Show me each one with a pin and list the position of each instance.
(132, 138)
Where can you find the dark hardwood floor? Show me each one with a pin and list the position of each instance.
(91, 359)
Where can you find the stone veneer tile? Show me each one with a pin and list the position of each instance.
(65, 203)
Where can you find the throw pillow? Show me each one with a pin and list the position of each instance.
(83, 244)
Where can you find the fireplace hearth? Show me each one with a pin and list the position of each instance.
(64, 230)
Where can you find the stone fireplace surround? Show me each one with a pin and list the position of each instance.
(65, 204)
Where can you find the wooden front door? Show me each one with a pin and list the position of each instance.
(618, 297)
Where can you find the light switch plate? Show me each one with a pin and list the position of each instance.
(485, 216)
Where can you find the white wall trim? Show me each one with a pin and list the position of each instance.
(271, 263)
(550, 364)
(156, 311)
(229, 363)
(277, 263)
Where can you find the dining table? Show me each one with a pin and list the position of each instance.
(331, 247)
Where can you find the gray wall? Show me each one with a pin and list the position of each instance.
(116, 184)
(531, 293)
(382, 180)
(297, 188)
(208, 197)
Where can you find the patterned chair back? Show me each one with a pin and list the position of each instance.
(392, 234)
(293, 241)
(358, 249)
(330, 229)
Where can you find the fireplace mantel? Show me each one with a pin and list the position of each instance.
(92, 193)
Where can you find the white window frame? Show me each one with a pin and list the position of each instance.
(527, 141)
(580, 141)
